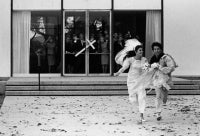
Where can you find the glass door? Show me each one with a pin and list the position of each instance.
(74, 42)
(87, 43)
(99, 36)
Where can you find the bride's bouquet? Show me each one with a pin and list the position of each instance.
(146, 67)
(155, 66)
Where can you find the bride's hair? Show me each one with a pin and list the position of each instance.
(132, 53)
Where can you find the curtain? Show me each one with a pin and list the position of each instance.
(21, 41)
(153, 30)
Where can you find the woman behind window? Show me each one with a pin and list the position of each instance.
(104, 56)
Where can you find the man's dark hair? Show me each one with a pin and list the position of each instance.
(156, 44)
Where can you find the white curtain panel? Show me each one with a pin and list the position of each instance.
(21, 41)
(153, 30)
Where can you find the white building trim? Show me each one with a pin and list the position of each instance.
(87, 4)
(137, 4)
(36, 4)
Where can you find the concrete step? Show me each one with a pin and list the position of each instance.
(87, 86)
(95, 82)
(95, 92)
(83, 81)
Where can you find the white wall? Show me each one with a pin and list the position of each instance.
(181, 28)
(182, 34)
(36, 4)
(87, 4)
(137, 4)
(5, 48)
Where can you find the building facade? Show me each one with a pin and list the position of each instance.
(82, 37)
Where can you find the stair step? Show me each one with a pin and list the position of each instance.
(96, 92)
(90, 87)
(9, 83)
(84, 81)
(66, 83)
(181, 92)
(87, 86)
(67, 88)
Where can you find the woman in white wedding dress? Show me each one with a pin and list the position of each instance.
(136, 75)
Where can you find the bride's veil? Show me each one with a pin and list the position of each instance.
(129, 46)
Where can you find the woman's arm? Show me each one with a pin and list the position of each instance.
(121, 70)
(126, 65)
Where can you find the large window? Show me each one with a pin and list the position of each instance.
(74, 30)
(45, 41)
(34, 33)
(99, 30)
(86, 39)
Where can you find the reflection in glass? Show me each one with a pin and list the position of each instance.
(45, 41)
(99, 57)
(74, 42)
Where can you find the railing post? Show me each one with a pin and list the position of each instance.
(39, 65)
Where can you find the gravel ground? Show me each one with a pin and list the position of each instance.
(97, 116)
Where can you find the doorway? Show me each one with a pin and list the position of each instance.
(126, 25)
(86, 45)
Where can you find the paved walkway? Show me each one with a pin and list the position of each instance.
(96, 116)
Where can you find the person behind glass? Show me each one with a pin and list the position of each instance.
(128, 36)
(79, 60)
(70, 58)
(134, 60)
(115, 37)
(94, 56)
(104, 54)
(106, 35)
(37, 46)
(81, 57)
(51, 45)
(167, 66)
(81, 38)
(118, 46)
